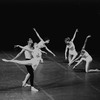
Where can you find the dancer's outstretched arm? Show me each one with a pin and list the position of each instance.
(43, 52)
(74, 35)
(38, 34)
(85, 42)
(77, 63)
(76, 59)
(18, 46)
(19, 54)
(25, 48)
(50, 51)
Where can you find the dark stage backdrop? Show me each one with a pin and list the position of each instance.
(52, 19)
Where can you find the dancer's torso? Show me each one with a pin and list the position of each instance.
(71, 47)
(27, 53)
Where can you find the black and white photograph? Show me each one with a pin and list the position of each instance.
(49, 50)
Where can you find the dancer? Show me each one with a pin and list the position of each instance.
(34, 62)
(28, 56)
(72, 51)
(84, 56)
(42, 43)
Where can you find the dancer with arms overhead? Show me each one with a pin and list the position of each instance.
(42, 43)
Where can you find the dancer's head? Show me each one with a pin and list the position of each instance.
(47, 41)
(35, 45)
(83, 52)
(67, 40)
(30, 41)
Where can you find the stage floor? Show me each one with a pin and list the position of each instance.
(54, 79)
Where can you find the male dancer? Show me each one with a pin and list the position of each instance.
(28, 56)
(70, 45)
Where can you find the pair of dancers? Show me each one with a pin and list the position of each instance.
(72, 54)
(33, 56)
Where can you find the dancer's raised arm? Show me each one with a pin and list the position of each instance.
(74, 35)
(85, 42)
(38, 34)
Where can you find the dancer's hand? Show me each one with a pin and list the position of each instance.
(5, 60)
(16, 46)
(88, 36)
(76, 30)
(54, 55)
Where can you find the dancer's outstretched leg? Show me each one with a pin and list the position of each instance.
(87, 65)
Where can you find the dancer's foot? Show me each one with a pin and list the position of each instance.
(23, 83)
(27, 85)
(34, 89)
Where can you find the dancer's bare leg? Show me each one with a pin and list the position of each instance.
(23, 62)
(87, 65)
(71, 59)
(93, 70)
(90, 70)
(25, 80)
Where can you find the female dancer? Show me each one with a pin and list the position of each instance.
(72, 51)
(42, 43)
